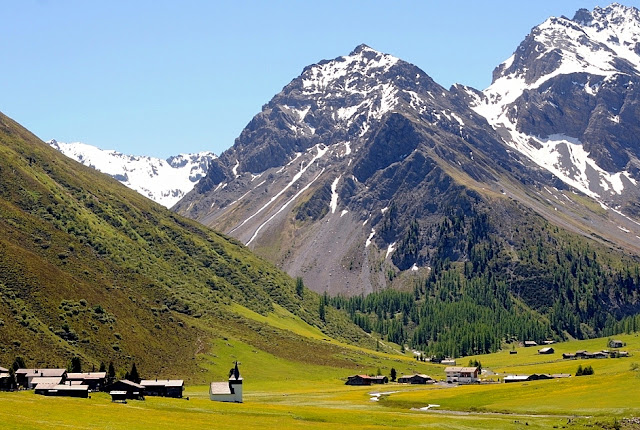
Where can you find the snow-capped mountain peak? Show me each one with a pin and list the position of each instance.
(558, 96)
(164, 181)
(362, 60)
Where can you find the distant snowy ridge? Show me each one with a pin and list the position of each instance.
(163, 181)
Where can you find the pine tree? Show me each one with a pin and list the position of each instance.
(76, 364)
(111, 373)
(133, 375)
(393, 374)
(321, 311)
(18, 363)
(103, 368)
(299, 287)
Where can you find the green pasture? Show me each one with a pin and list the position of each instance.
(288, 394)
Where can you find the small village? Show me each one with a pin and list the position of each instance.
(60, 382)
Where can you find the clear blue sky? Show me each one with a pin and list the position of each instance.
(163, 77)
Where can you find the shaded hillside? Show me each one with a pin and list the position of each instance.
(91, 268)
(541, 283)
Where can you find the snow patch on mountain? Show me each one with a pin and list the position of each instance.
(163, 181)
(566, 158)
(321, 151)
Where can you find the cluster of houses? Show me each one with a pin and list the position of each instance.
(59, 382)
(600, 354)
(453, 374)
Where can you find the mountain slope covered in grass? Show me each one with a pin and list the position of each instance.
(92, 269)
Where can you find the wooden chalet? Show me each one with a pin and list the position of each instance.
(546, 350)
(568, 356)
(25, 377)
(515, 378)
(163, 387)
(416, 379)
(614, 343)
(380, 379)
(131, 389)
(95, 380)
(65, 390)
(7, 381)
(530, 343)
(534, 377)
(359, 380)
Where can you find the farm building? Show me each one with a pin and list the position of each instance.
(95, 380)
(529, 343)
(416, 379)
(448, 362)
(534, 377)
(461, 375)
(380, 379)
(7, 381)
(515, 378)
(359, 380)
(230, 391)
(613, 343)
(568, 356)
(25, 377)
(546, 350)
(66, 390)
(131, 389)
(33, 382)
(163, 387)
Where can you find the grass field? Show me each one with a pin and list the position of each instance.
(287, 395)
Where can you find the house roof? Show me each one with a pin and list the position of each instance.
(41, 372)
(460, 369)
(3, 370)
(516, 378)
(62, 387)
(419, 375)
(46, 380)
(360, 376)
(131, 384)
(87, 375)
(162, 382)
(219, 388)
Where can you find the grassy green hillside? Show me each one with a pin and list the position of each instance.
(93, 269)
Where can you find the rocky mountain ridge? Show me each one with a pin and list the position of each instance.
(362, 150)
